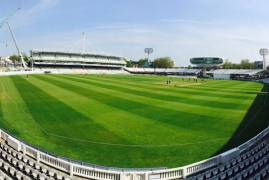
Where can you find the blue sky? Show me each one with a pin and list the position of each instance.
(181, 29)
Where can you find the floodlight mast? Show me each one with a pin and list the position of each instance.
(16, 45)
(264, 52)
(83, 42)
(148, 51)
(13, 36)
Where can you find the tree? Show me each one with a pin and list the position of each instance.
(131, 63)
(163, 62)
(143, 63)
(227, 64)
(15, 58)
(244, 64)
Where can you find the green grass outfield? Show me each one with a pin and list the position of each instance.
(131, 121)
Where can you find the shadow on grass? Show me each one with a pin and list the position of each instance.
(256, 120)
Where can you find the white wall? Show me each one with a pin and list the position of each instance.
(222, 76)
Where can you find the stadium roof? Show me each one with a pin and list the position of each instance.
(206, 61)
(76, 53)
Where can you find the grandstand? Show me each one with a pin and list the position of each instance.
(204, 62)
(162, 71)
(240, 74)
(50, 59)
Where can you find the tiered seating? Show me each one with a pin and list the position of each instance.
(16, 165)
(252, 164)
(175, 71)
(81, 71)
(236, 71)
(67, 59)
(251, 161)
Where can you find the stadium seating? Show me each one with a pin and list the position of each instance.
(64, 71)
(67, 60)
(236, 71)
(170, 71)
(15, 165)
(248, 161)
(251, 164)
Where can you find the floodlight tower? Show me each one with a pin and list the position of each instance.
(23, 64)
(148, 51)
(83, 42)
(13, 37)
(264, 52)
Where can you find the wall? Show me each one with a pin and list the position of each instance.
(222, 76)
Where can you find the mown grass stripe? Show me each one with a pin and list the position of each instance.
(125, 119)
(137, 107)
(195, 99)
(241, 90)
(120, 110)
(144, 99)
(59, 116)
(183, 90)
(224, 84)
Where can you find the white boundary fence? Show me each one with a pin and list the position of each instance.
(63, 71)
(105, 173)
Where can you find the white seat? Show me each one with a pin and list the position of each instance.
(21, 166)
(9, 158)
(41, 177)
(31, 163)
(35, 174)
(51, 173)
(27, 169)
(26, 178)
(6, 167)
(19, 156)
(37, 166)
(25, 160)
(12, 171)
(59, 176)
(18, 175)
(44, 170)
(14, 161)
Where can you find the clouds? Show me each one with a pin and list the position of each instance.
(182, 34)
(181, 40)
(30, 15)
